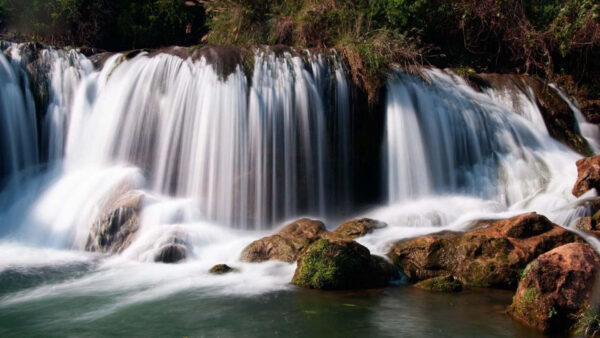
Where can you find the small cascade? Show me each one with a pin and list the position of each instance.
(444, 137)
(589, 131)
(18, 125)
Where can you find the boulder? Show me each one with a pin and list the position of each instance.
(114, 229)
(490, 256)
(171, 253)
(286, 244)
(341, 265)
(173, 248)
(221, 269)
(556, 287)
(440, 284)
(356, 228)
(588, 175)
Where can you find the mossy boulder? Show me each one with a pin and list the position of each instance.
(221, 269)
(588, 175)
(440, 284)
(341, 265)
(287, 244)
(491, 256)
(556, 288)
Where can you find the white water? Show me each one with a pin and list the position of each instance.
(220, 158)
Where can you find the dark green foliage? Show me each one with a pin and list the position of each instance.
(588, 322)
(108, 24)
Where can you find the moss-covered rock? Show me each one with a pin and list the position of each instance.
(440, 284)
(556, 287)
(491, 256)
(341, 265)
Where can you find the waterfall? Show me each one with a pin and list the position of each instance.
(247, 154)
(18, 128)
(445, 137)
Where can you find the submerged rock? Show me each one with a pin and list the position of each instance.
(341, 265)
(556, 287)
(588, 175)
(440, 284)
(114, 229)
(172, 253)
(221, 269)
(173, 249)
(287, 244)
(491, 256)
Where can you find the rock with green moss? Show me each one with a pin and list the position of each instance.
(556, 288)
(341, 265)
(491, 256)
(440, 284)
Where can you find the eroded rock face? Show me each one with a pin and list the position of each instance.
(114, 229)
(491, 256)
(556, 287)
(588, 175)
(287, 244)
(341, 265)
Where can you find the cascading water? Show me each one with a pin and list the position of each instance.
(218, 157)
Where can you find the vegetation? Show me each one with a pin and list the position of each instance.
(552, 38)
(588, 322)
(106, 24)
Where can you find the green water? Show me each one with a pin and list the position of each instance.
(401, 311)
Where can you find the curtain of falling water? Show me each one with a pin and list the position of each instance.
(248, 155)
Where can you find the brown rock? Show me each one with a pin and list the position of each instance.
(357, 228)
(287, 244)
(588, 175)
(556, 287)
(491, 256)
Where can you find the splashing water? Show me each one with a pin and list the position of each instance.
(220, 158)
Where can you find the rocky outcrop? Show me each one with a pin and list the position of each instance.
(221, 269)
(440, 284)
(286, 244)
(556, 287)
(341, 265)
(588, 175)
(490, 256)
(289, 242)
(115, 228)
(356, 228)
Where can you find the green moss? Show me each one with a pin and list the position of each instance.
(339, 265)
(530, 296)
(440, 284)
